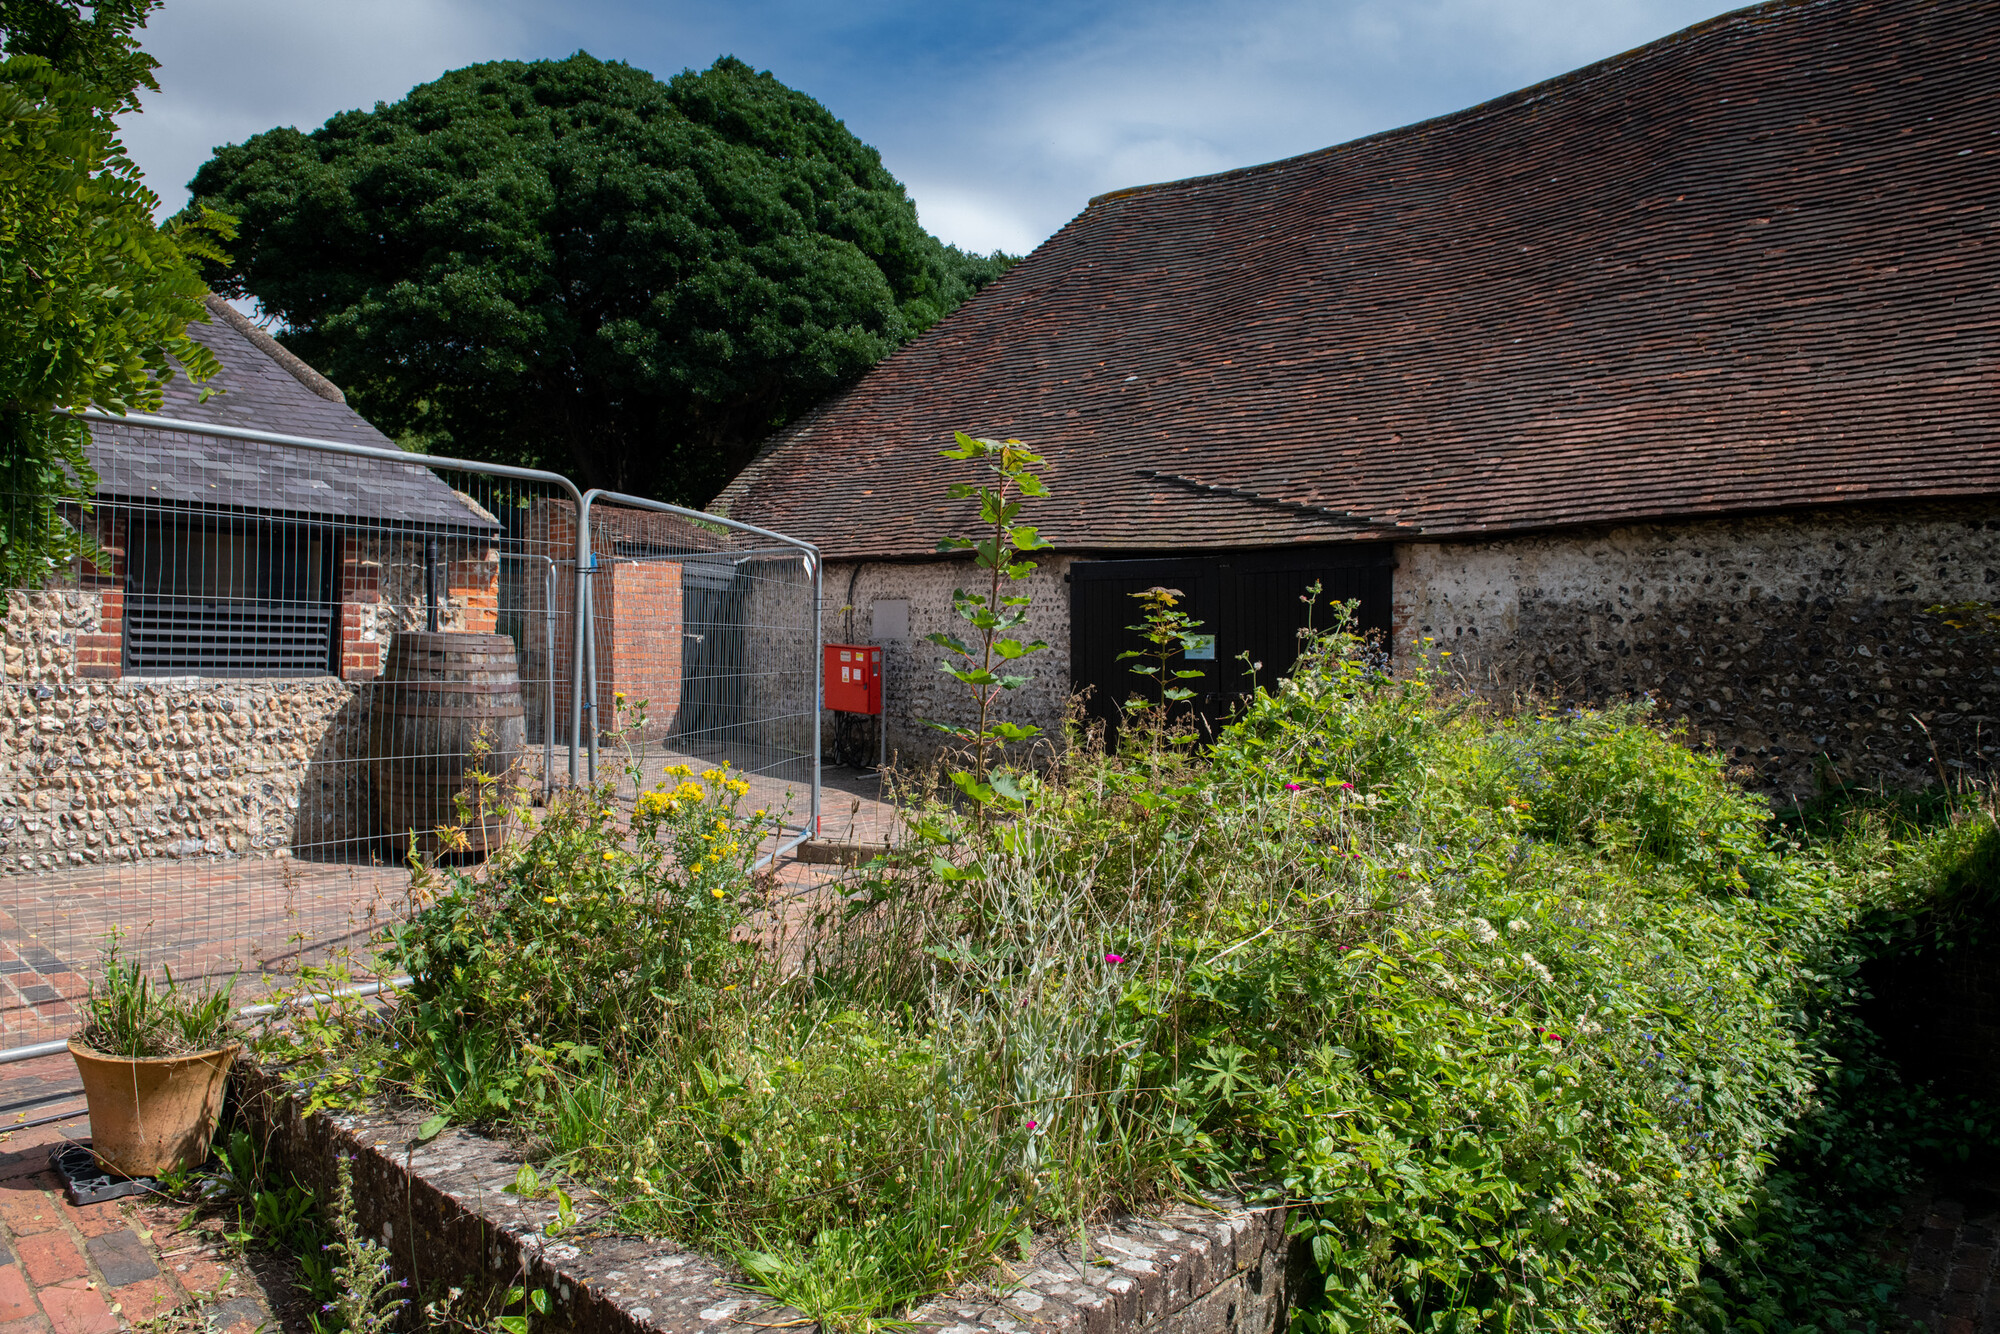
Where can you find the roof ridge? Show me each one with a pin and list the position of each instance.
(261, 340)
(1491, 106)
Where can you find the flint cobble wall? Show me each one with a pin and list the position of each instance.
(95, 772)
(914, 689)
(1790, 643)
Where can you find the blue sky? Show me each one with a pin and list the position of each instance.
(1002, 118)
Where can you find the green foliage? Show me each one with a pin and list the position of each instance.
(96, 299)
(569, 263)
(100, 48)
(128, 1014)
(581, 939)
(366, 1299)
(1976, 618)
(995, 614)
(1168, 632)
(1535, 1020)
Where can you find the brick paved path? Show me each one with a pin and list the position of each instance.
(106, 1267)
(255, 917)
(1952, 1231)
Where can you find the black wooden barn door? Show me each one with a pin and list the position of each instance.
(1253, 603)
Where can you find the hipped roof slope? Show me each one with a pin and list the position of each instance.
(1754, 265)
(263, 387)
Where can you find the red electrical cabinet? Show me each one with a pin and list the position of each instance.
(853, 674)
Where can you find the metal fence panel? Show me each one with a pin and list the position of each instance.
(704, 650)
(223, 728)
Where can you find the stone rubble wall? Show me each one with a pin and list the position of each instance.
(1791, 643)
(914, 689)
(445, 1210)
(95, 772)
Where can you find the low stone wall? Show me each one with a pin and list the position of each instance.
(95, 771)
(442, 1210)
(1788, 642)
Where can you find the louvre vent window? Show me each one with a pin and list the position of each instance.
(222, 598)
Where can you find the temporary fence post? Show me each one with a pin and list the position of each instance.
(584, 561)
(549, 657)
(819, 687)
(590, 708)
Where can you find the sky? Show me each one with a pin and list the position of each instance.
(1001, 117)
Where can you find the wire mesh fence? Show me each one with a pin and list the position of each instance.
(261, 686)
(703, 653)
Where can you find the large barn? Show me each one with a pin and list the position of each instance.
(1677, 375)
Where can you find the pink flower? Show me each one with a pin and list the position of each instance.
(1294, 787)
(1114, 958)
(1347, 787)
(1031, 1124)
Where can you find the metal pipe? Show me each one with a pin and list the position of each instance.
(549, 666)
(389, 456)
(586, 564)
(819, 682)
(595, 723)
(61, 1045)
(430, 585)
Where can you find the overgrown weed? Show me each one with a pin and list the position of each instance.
(1520, 1010)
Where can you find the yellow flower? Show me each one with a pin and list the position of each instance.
(716, 892)
(677, 770)
(548, 898)
(694, 867)
(609, 856)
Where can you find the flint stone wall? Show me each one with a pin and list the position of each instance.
(443, 1210)
(913, 688)
(1789, 643)
(95, 771)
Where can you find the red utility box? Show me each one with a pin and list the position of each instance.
(853, 678)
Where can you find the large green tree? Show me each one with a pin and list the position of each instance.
(94, 299)
(570, 263)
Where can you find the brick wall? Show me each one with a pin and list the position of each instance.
(360, 591)
(100, 654)
(381, 584)
(640, 631)
(639, 619)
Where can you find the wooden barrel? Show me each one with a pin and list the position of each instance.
(447, 706)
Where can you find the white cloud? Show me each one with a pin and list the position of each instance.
(232, 68)
(1179, 90)
(998, 147)
(977, 220)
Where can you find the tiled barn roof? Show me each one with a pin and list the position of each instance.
(1750, 266)
(264, 387)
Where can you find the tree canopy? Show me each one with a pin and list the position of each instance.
(94, 299)
(570, 263)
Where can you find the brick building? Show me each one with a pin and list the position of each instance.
(199, 690)
(1675, 375)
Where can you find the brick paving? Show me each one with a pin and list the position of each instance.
(110, 1266)
(262, 919)
(1951, 1230)
(259, 918)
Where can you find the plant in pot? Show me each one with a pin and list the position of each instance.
(154, 1058)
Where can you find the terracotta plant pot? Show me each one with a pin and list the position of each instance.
(152, 1114)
